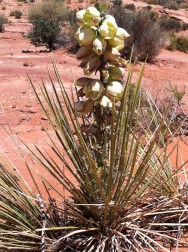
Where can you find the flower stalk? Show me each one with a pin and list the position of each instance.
(101, 40)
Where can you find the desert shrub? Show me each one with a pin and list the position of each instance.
(117, 3)
(146, 35)
(45, 32)
(47, 13)
(17, 14)
(148, 7)
(184, 6)
(170, 24)
(154, 2)
(184, 26)
(49, 9)
(179, 43)
(170, 4)
(3, 20)
(130, 7)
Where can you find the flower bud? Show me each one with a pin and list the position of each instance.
(116, 73)
(112, 53)
(117, 43)
(89, 17)
(104, 101)
(93, 89)
(108, 28)
(99, 45)
(85, 35)
(92, 65)
(114, 89)
(122, 33)
(84, 52)
(81, 82)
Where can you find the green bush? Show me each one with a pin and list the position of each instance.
(3, 20)
(170, 24)
(178, 43)
(146, 35)
(17, 14)
(45, 32)
(49, 9)
(47, 18)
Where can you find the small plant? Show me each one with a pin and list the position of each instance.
(154, 2)
(170, 24)
(45, 32)
(170, 4)
(179, 43)
(17, 14)
(130, 7)
(3, 20)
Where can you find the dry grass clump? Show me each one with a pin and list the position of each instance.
(179, 43)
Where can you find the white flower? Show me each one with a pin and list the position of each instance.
(108, 28)
(99, 45)
(93, 89)
(85, 35)
(104, 101)
(117, 43)
(89, 17)
(114, 89)
(122, 33)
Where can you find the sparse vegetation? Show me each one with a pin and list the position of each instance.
(179, 43)
(170, 24)
(3, 20)
(45, 32)
(47, 18)
(154, 2)
(130, 7)
(49, 10)
(170, 4)
(17, 14)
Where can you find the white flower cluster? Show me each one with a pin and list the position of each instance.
(101, 40)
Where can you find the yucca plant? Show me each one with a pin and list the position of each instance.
(123, 193)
